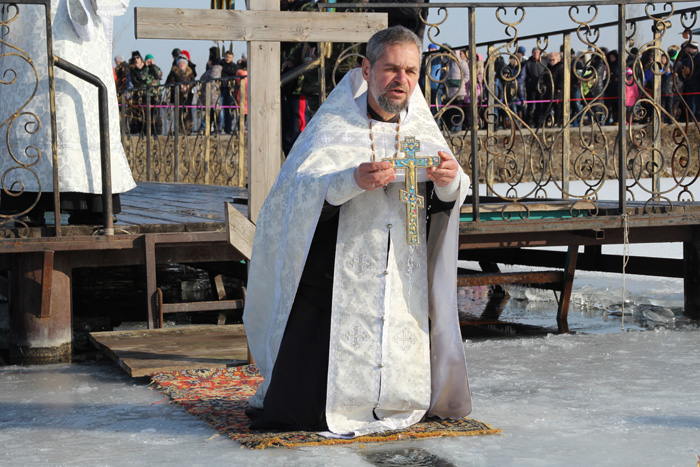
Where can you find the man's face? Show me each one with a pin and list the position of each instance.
(536, 55)
(393, 77)
(149, 62)
(138, 61)
(228, 58)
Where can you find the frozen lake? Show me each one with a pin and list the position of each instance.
(601, 396)
(623, 398)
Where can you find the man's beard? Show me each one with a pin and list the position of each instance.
(392, 106)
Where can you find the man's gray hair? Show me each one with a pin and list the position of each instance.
(394, 35)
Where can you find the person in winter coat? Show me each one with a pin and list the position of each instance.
(182, 75)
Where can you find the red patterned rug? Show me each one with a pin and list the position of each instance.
(220, 397)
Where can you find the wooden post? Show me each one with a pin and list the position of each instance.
(691, 278)
(656, 161)
(264, 152)
(242, 110)
(566, 287)
(40, 308)
(207, 132)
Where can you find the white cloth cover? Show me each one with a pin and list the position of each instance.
(76, 101)
(381, 357)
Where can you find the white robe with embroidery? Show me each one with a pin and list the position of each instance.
(78, 37)
(384, 359)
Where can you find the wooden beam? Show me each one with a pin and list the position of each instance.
(265, 26)
(241, 231)
(543, 277)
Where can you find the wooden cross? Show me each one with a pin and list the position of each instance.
(263, 26)
(410, 146)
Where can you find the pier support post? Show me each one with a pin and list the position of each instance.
(40, 308)
(691, 278)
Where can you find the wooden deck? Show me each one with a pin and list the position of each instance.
(179, 223)
(146, 352)
(159, 223)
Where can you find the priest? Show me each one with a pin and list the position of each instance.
(351, 311)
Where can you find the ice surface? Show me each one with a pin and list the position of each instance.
(617, 398)
(602, 396)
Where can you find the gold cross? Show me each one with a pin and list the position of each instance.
(410, 146)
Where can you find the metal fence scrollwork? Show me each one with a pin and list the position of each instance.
(19, 123)
(190, 132)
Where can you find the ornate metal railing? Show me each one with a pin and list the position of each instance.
(20, 155)
(187, 132)
(573, 128)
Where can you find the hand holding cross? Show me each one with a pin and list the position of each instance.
(440, 170)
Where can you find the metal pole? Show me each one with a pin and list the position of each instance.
(566, 116)
(472, 109)
(176, 130)
(207, 131)
(104, 138)
(491, 120)
(54, 130)
(622, 123)
(656, 122)
(148, 134)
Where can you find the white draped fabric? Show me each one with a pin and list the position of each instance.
(79, 38)
(385, 358)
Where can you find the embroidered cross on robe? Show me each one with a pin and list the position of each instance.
(411, 163)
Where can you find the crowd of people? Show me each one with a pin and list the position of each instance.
(143, 77)
(532, 88)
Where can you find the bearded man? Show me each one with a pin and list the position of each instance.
(353, 326)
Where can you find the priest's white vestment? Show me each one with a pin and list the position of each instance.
(396, 351)
(78, 28)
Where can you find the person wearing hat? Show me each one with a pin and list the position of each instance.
(121, 73)
(534, 69)
(228, 85)
(145, 75)
(181, 76)
(175, 54)
(212, 75)
(517, 96)
(190, 64)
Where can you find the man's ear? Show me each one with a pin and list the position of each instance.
(365, 69)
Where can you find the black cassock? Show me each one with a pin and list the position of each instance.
(296, 397)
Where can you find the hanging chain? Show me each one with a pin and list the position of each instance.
(625, 260)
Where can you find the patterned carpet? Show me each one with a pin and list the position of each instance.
(220, 397)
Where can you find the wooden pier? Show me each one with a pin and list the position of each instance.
(179, 223)
(159, 223)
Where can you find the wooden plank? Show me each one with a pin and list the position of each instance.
(532, 206)
(545, 277)
(151, 298)
(221, 305)
(241, 231)
(146, 352)
(263, 26)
